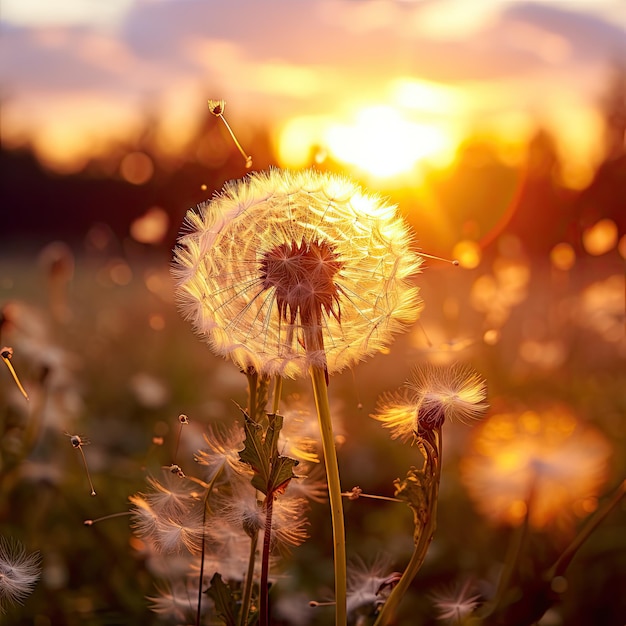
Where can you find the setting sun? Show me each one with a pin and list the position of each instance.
(378, 140)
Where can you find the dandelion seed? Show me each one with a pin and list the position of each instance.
(431, 396)
(369, 587)
(78, 442)
(454, 605)
(183, 420)
(19, 572)
(217, 108)
(285, 270)
(7, 354)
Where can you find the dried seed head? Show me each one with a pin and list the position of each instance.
(282, 257)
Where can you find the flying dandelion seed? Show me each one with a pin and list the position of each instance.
(285, 270)
(78, 442)
(7, 354)
(217, 108)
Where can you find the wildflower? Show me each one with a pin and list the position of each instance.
(456, 604)
(431, 396)
(19, 572)
(547, 465)
(284, 270)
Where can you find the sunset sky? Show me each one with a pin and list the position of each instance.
(379, 84)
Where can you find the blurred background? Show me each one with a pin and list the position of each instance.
(498, 127)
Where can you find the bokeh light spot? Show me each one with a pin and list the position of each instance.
(151, 226)
(137, 168)
(468, 254)
(562, 256)
(601, 237)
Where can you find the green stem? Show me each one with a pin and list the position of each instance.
(433, 459)
(278, 389)
(320, 392)
(253, 382)
(247, 590)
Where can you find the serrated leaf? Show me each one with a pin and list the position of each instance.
(282, 473)
(255, 453)
(272, 472)
(225, 604)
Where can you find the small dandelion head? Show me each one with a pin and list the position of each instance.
(454, 392)
(368, 587)
(216, 106)
(456, 604)
(284, 270)
(432, 395)
(19, 572)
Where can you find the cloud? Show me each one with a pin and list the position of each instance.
(281, 58)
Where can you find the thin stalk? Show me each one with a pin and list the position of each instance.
(253, 381)
(562, 563)
(278, 390)
(320, 392)
(514, 553)
(247, 590)
(388, 610)
(265, 562)
(202, 552)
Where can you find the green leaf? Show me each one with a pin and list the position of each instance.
(255, 454)
(225, 604)
(272, 472)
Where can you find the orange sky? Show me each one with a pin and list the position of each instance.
(378, 85)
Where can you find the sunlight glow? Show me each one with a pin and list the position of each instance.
(382, 142)
(379, 140)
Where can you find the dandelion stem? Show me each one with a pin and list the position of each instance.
(202, 552)
(265, 561)
(320, 391)
(387, 613)
(253, 382)
(562, 563)
(515, 551)
(278, 389)
(247, 590)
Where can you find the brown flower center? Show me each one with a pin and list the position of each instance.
(303, 276)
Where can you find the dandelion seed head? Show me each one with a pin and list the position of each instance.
(19, 572)
(430, 397)
(281, 256)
